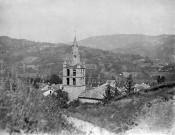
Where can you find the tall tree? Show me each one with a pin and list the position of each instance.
(158, 79)
(116, 92)
(129, 84)
(108, 92)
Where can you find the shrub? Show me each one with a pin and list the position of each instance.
(28, 110)
(74, 103)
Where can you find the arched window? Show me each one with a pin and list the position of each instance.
(68, 72)
(74, 81)
(67, 81)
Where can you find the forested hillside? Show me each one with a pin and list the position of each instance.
(46, 58)
(134, 44)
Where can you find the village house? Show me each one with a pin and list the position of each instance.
(50, 89)
(95, 95)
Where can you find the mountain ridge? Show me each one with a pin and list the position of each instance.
(130, 43)
(144, 45)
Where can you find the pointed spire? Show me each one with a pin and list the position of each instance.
(75, 40)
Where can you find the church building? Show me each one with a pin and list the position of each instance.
(74, 73)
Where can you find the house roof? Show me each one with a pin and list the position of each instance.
(46, 93)
(96, 93)
(45, 88)
(56, 86)
(126, 74)
(52, 87)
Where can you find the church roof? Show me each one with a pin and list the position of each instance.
(74, 59)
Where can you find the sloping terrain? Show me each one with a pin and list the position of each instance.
(150, 112)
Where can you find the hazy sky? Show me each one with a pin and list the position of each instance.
(56, 20)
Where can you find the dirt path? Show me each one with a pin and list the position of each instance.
(143, 128)
(3, 132)
(88, 128)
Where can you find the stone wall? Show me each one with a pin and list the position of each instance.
(83, 100)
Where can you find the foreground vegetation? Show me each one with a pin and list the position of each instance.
(25, 109)
(120, 115)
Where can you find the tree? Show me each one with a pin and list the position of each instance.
(112, 78)
(158, 79)
(129, 84)
(116, 92)
(26, 108)
(107, 95)
(54, 79)
(4, 105)
(108, 91)
(61, 98)
(36, 81)
(162, 79)
(52, 111)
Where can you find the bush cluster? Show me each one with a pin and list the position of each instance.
(26, 109)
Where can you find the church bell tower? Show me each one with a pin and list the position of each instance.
(74, 73)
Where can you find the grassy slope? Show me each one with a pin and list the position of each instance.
(150, 111)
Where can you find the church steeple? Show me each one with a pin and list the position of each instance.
(74, 73)
(75, 53)
(75, 41)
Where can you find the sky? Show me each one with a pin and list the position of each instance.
(57, 20)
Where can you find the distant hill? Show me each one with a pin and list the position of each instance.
(166, 50)
(47, 58)
(119, 41)
(133, 44)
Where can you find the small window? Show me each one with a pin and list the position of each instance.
(74, 81)
(74, 72)
(68, 72)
